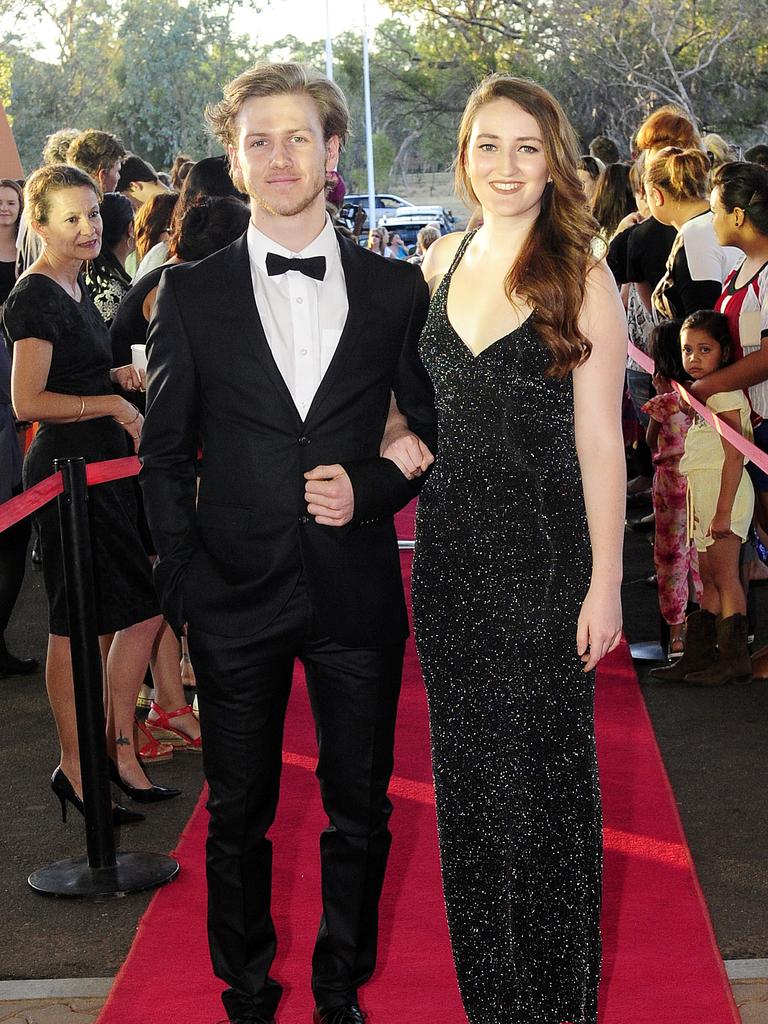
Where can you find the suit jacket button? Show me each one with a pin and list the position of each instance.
(304, 519)
(304, 441)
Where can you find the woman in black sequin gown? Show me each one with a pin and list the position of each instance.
(518, 563)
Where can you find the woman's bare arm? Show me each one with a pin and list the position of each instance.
(598, 386)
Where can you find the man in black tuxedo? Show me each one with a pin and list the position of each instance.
(279, 355)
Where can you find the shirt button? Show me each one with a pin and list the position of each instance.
(302, 352)
(299, 300)
(304, 520)
(303, 441)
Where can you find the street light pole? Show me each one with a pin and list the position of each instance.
(328, 42)
(368, 128)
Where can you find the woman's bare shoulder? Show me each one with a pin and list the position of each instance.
(439, 258)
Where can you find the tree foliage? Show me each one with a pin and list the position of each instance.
(146, 69)
(142, 69)
(612, 61)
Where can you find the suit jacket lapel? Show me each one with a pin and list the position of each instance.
(244, 303)
(356, 277)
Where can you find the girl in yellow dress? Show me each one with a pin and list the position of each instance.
(720, 502)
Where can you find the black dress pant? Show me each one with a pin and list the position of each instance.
(243, 688)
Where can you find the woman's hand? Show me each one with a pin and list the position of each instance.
(599, 627)
(131, 420)
(129, 378)
(410, 455)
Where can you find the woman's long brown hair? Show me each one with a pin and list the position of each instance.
(550, 272)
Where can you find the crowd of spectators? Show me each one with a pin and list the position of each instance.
(683, 220)
(81, 261)
(684, 225)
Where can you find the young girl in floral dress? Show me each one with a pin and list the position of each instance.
(677, 567)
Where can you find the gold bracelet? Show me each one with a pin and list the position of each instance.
(82, 408)
(127, 423)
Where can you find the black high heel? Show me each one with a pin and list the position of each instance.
(65, 791)
(141, 796)
(10, 665)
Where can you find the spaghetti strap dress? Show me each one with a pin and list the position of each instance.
(501, 567)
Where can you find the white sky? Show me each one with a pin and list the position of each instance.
(305, 19)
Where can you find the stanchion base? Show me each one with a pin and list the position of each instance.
(649, 651)
(133, 872)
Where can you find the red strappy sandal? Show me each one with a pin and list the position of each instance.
(160, 726)
(153, 751)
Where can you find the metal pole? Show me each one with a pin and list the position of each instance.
(368, 128)
(328, 42)
(103, 873)
(86, 662)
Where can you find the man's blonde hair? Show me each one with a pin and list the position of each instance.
(276, 80)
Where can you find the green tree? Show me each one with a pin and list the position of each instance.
(172, 61)
(612, 61)
(142, 69)
(68, 92)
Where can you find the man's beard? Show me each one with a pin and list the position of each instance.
(291, 206)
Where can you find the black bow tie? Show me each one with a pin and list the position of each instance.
(313, 266)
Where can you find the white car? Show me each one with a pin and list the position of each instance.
(386, 205)
(436, 213)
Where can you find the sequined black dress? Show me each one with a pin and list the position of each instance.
(502, 565)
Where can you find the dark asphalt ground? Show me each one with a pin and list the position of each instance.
(713, 745)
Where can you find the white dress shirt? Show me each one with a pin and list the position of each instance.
(302, 318)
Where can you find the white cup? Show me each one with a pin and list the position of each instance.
(139, 356)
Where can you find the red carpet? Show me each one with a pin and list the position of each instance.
(661, 962)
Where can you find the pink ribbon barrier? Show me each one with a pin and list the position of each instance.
(747, 448)
(117, 469)
(31, 500)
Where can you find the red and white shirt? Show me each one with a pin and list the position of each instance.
(747, 311)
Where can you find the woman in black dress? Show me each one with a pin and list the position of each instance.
(62, 377)
(518, 560)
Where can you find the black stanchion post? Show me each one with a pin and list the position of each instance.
(86, 662)
(103, 873)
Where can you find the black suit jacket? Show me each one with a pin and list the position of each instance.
(230, 556)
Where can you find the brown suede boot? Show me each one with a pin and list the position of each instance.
(700, 649)
(733, 664)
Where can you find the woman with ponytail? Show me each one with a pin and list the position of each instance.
(677, 190)
(740, 219)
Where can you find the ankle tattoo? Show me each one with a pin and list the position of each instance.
(122, 741)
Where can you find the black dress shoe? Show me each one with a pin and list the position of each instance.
(247, 1020)
(12, 666)
(65, 791)
(350, 1013)
(36, 557)
(141, 796)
